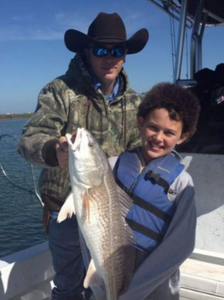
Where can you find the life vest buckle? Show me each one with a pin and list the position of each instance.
(152, 175)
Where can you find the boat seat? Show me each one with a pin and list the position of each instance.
(219, 73)
(211, 83)
(205, 78)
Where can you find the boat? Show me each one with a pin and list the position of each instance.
(28, 274)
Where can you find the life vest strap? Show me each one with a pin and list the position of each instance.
(122, 186)
(158, 179)
(151, 208)
(144, 230)
(144, 204)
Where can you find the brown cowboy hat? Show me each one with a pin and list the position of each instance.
(106, 29)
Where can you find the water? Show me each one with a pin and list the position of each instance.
(20, 212)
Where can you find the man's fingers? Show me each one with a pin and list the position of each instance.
(63, 143)
(62, 152)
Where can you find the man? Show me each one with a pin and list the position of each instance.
(95, 94)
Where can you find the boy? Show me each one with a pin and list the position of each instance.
(163, 216)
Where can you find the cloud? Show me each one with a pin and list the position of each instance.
(73, 20)
(135, 20)
(26, 28)
(22, 18)
(17, 33)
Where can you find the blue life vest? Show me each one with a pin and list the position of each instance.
(152, 211)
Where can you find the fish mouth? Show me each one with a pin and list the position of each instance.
(78, 138)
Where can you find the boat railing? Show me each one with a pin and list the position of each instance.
(28, 274)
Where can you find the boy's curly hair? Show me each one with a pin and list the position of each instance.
(181, 104)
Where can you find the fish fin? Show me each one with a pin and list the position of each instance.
(67, 210)
(126, 203)
(86, 205)
(92, 278)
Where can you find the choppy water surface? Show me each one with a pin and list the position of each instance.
(20, 211)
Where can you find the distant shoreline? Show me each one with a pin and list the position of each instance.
(15, 116)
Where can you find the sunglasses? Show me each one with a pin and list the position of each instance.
(103, 52)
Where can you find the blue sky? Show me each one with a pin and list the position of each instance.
(32, 50)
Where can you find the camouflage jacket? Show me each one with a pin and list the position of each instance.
(68, 102)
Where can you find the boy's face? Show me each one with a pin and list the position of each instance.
(160, 134)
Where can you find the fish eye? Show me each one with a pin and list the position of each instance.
(90, 144)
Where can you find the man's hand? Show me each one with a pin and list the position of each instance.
(62, 152)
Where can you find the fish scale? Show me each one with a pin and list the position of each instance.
(108, 210)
